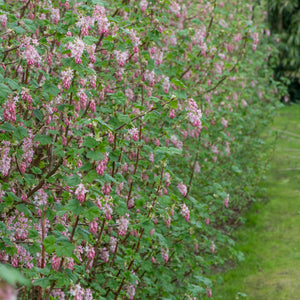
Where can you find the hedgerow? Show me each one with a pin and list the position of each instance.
(130, 141)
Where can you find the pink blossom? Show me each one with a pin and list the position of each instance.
(185, 212)
(77, 49)
(100, 17)
(129, 94)
(102, 165)
(134, 133)
(168, 221)
(143, 5)
(3, 20)
(67, 76)
(80, 193)
(110, 138)
(172, 114)
(166, 84)
(55, 15)
(175, 8)
(31, 55)
(226, 201)
(55, 263)
(123, 225)
(194, 113)
(224, 122)
(152, 232)
(130, 291)
(121, 57)
(90, 252)
(93, 226)
(77, 291)
(165, 255)
(208, 292)
(104, 254)
(5, 159)
(113, 244)
(212, 247)
(182, 188)
(9, 109)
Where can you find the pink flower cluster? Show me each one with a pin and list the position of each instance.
(121, 57)
(175, 8)
(9, 110)
(67, 76)
(134, 133)
(100, 17)
(185, 212)
(182, 189)
(165, 255)
(194, 113)
(5, 158)
(122, 228)
(30, 54)
(80, 193)
(143, 5)
(77, 49)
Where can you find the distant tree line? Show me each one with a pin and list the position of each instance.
(284, 20)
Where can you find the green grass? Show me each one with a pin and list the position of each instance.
(270, 238)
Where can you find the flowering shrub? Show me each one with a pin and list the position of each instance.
(129, 141)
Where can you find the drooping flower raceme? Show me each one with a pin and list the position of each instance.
(80, 193)
(182, 188)
(77, 49)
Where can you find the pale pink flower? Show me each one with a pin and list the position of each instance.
(134, 133)
(182, 188)
(185, 212)
(226, 200)
(77, 49)
(123, 225)
(175, 8)
(143, 5)
(165, 254)
(80, 193)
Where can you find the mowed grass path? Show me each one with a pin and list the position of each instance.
(270, 239)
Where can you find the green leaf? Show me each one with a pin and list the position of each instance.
(36, 170)
(72, 181)
(62, 280)
(64, 248)
(91, 176)
(4, 90)
(13, 84)
(89, 40)
(74, 206)
(12, 276)
(51, 89)
(38, 114)
(30, 25)
(24, 209)
(20, 133)
(43, 139)
(103, 123)
(92, 213)
(17, 29)
(90, 142)
(95, 155)
(42, 282)
(33, 234)
(49, 243)
(8, 127)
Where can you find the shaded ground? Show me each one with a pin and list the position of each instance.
(270, 239)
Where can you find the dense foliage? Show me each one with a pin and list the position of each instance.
(284, 20)
(130, 140)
